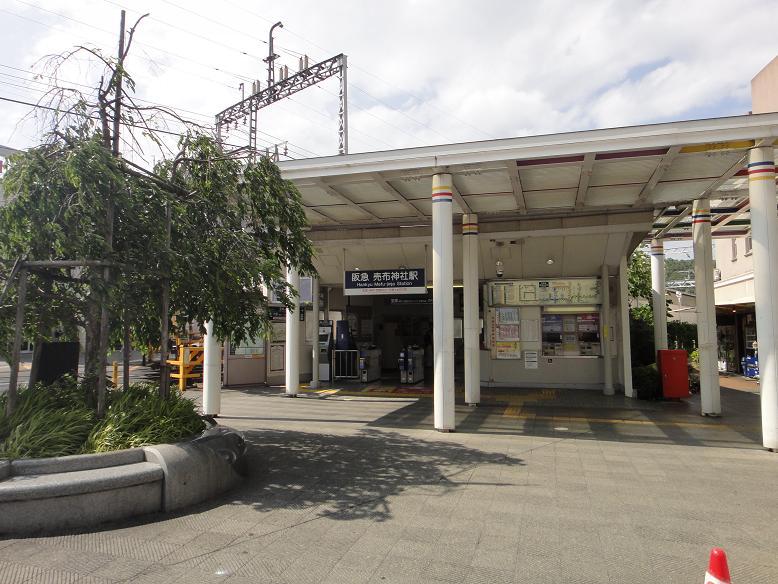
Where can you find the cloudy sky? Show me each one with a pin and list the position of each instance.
(421, 71)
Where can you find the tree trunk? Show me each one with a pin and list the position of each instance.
(10, 404)
(126, 350)
(37, 349)
(92, 346)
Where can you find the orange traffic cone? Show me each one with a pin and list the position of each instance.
(718, 571)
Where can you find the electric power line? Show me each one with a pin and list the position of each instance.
(126, 124)
(365, 71)
(174, 109)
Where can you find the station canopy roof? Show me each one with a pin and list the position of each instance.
(650, 171)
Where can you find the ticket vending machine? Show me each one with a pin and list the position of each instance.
(325, 349)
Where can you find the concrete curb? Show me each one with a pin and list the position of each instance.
(54, 494)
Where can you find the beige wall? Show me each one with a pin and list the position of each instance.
(742, 263)
(736, 285)
(764, 89)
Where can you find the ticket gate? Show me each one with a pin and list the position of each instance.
(369, 365)
(411, 363)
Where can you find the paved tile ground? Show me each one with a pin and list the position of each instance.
(538, 486)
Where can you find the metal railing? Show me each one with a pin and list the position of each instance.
(345, 364)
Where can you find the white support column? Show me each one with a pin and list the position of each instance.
(443, 301)
(710, 394)
(212, 372)
(764, 233)
(292, 348)
(315, 347)
(605, 338)
(470, 309)
(626, 344)
(658, 293)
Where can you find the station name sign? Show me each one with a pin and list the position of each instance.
(396, 281)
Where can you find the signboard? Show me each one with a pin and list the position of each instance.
(554, 292)
(396, 281)
(530, 359)
(507, 350)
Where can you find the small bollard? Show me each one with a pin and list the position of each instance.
(115, 376)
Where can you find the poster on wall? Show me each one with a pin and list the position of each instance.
(508, 316)
(507, 332)
(512, 293)
(277, 358)
(507, 350)
(278, 331)
(560, 292)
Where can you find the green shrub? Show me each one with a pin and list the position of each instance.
(647, 381)
(49, 432)
(694, 359)
(58, 420)
(139, 417)
(64, 394)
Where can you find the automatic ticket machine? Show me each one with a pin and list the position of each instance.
(325, 349)
(411, 363)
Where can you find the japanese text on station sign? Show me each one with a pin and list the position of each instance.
(402, 281)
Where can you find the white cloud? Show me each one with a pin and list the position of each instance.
(442, 71)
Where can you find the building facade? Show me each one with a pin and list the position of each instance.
(734, 288)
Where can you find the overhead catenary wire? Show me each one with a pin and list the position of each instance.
(365, 71)
(175, 109)
(45, 107)
(190, 32)
(221, 70)
(211, 20)
(140, 43)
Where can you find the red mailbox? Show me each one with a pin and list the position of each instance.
(673, 367)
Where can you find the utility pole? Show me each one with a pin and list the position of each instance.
(104, 314)
(285, 86)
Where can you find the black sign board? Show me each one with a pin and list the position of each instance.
(395, 281)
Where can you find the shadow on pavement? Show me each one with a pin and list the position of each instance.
(351, 477)
(678, 423)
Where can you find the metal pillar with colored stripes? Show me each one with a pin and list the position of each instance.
(443, 302)
(658, 293)
(707, 345)
(764, 234)
(471, 329)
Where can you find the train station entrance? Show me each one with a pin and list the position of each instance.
(519, 251)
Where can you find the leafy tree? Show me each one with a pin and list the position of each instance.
(639, 275)
(679, 270)
(213, 232)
